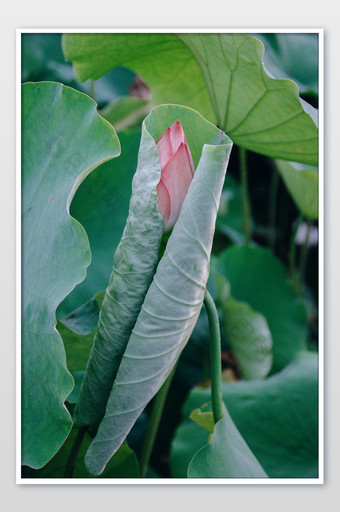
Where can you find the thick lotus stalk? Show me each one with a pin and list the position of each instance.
(177, 171)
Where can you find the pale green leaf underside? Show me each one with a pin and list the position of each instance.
(63, 139)
(174, 299)
(226, 455)
(134, 265)
(220, 75)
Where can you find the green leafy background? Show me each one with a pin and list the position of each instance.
(261, 281)
(242, 97)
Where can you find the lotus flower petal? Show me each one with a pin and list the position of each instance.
(177, 171)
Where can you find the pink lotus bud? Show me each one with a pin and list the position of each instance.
(177, 169)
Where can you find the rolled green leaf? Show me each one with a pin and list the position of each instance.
(171, 306)
(135, 261)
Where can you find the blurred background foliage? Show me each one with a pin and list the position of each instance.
(268, 284)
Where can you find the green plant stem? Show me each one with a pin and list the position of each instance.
(215, 357)
(72, 458)
(245, 196)
(292, 254)
(274, 185)
(206, 362)
(304, 255)
(154, 421)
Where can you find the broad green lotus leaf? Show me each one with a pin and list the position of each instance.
(175, 297)
(162, 60)
(258, 278)
(247, 332)
(220, 75)
(277, 417)
(303, 185)
(258, 112)
(63, 140)
(226, 455)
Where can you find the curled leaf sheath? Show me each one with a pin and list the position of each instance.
(135, 261)
(169, 311)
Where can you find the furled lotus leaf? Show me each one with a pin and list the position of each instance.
(175, 296)
(136, 257)
(134, 265)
